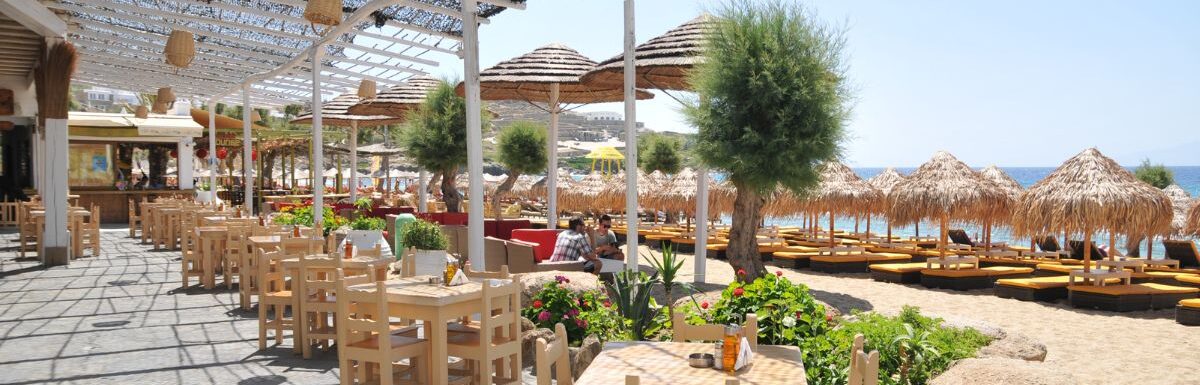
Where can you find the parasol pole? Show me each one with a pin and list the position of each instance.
(631, 203)
(831, 244)
(1112, 245)
(552, 156)
(353, 141)
(1087, 250)
(945, 233)
(247, 154)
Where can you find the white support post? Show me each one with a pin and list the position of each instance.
(631, 203)
(247, 153)
(317, 163)
(552, 164)
(701, 243)
(353, 143)
(55, 245)
(470, 29)
(38, 143)
(184, 164)
(212, 151)
(423, 193)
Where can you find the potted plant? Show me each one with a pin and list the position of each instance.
(366, 232)
(203, 193)
(430, 244)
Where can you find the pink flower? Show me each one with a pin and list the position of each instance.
(799, 314)
(581, 323)
(738, 292)
(537, 304)
(741, 272)
(544, 316)
(607, 303)
(561, 279)
(704, 305)
(778, 273)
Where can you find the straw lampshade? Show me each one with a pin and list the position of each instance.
(180, 49)
(323, 12)
(366, 89)
(165, 96)
(159, 108)
(141, 112)
(254, 116)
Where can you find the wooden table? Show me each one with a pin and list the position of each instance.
(75, 216)
(414, 298)
(210, 237)
(665, 363)
(1099, 276)
(353, 265)
(950, 262)
(1137, 265)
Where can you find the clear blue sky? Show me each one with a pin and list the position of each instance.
(1012, 83)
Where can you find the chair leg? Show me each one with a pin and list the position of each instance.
(262, 325)
(279, 324)
(306, 348)
(385, 373)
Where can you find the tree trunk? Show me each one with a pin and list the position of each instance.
(1132, 244)
(743, 233)
(450, 194)
(501, 191)
(269, 169)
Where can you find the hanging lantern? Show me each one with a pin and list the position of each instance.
(159, 108)
(174, 154)
(222, 153)
(141, 112)
(202, 153)
(366, 89)
(254, 155)
(166, 96)
(180, 49)
(254, 116)
(324, 12)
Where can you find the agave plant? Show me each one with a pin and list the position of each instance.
(630, 291)
(668, 267)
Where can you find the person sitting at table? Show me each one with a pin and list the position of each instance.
(573, 245)
(606, 240)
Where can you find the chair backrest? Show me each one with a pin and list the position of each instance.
(298, 247)
(270, 275)
(684, 332)
(1183, 251)
(554, 353)
(959, 236)
(495, 254)
(500, 317)
(522, 257)
(318, 273)
(373, 251)
(501, 274)
(362, 314)
(1077, 249)
(1048, 243)
(864, 367)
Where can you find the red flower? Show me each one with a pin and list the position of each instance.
(581, 323)
(778, 273)
(704, 305)
(607, 303)
(741, 273)
(799, 315)
(738, 292)
(828, 318)
(537, 304)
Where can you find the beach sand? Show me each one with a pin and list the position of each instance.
(1097, 347)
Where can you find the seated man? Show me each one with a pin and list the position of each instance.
(606, 240)
(573, 245)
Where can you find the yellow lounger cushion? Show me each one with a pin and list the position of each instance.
(1192, 279)
(1043, 282)
(1169, 274)
(865, 257)
(993, 271)
(899, 268)
(1141, 288)
(718, 247)
(1190, 303)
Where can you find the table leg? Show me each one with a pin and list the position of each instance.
(439, 368)
(207, 261)
(76, 238)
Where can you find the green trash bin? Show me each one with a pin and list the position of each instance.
(401, 220)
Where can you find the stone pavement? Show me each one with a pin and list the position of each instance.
(121, 318)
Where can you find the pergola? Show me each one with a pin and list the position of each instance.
(270, 53)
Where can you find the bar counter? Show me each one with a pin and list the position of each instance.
(114, 204)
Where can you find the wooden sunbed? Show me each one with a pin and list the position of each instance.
(853, 262)
(970, 279)
(1046, 289)
(1187, 312)
(1141, 296)
(897, 272)
(1188, 280)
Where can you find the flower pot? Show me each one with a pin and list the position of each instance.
(430, 262)
(204, 196)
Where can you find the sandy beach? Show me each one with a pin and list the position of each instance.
(1097, 347)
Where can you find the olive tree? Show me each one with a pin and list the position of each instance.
(662, 153)
(521, 148)
(435, 137)
(772, 105)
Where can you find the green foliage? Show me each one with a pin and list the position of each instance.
(436, 136)
(303, 216)
(786, 312)
(363, 204)
(1156, 175)
(582, 314)
(663, 155)
(522, 148)
(578, 163)
(668, 267)
(367, 223)
(423, 235)
(773, 92)
(631, 292)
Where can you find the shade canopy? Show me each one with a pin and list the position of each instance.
(1181, 201)
(336, 112)
(884, 181)
(531, 77)
(397, 101)
(222, 122)
(662, 62)
(945, 188)
(1002, 179)
(1193, 219)
(841, 191)
(605, 153)
(101, 124)
(1088, 193)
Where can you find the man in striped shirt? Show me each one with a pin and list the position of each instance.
(574, 244)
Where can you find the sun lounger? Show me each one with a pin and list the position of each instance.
(1077, 250)
(970, 279)
(851, 259)
(1188, 280)
(1142, 296)
(918, 254)
(1183, 251)
(1187, 312)
(1165, 277)
(1048, 244)
(688, 244)
(897, 272)
(1046, 289)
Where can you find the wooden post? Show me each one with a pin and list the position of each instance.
(942, 242)
(1087, 250)
(831, 244)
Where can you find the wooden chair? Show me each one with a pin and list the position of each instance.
(237, 246)
(146, 219)
(864, 368)
(317, 287)
(192, 265)
(554, 353)
(684, 332)
(8, 213)
(28, 228)
(498, 340)
(464, 324)
(376, 251)
(273, 294)
(135, 220)
(367, 348)
(299, 247)
(90, 232)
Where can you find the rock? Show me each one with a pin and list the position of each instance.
(1015, 346)
(1006, 371)
(830, 311)
(582, 356)
(527, 325)
(990, 330)
(529, 343)
(579, 282)
(711, 297)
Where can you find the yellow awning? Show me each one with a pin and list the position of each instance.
(605, 153)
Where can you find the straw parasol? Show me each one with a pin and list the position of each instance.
(944, 188)
(399, 100)
(1010, 188)
(1181, 201)
(884, 181)
(1088, 193)
(843, 192)
(336, 112)
(548, 75)
(662, 62)
(1193, 219)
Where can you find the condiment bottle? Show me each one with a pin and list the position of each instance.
(349, 249)
(732, 343)
(295, 231)
(451, 268)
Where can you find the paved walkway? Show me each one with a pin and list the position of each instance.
(121, 318)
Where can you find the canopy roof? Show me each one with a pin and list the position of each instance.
(399, 100)
(530, 77)
(1088, 193)
(264, 40)
(1002, 179)
(127, 125)
(605, 153)
(377, 149)
(662, 62)
(336, 112)
(944, 187)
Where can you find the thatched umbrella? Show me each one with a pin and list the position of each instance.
(662, 62)
(1192, 225)
(842, 192)
(548, 75)
(399, 100)
(336, 112)
(1010, 187)
(1181, 201)
(1088, 193)
(884, 181)
(945, 189)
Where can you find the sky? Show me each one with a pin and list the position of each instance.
(1010, 83)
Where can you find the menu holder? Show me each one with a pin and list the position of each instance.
(459, 278)
(745, 355)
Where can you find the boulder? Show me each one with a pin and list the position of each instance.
(1015, 346)
(990, 330)
(1006, 371)
(830, 311)
(529, 344)
(711, 297)
(582, 356)
(578, 282)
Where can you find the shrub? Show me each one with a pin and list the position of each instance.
(583, 314)
(631, 291)
(1156, 175)
(423, 235)
(786, 312)
(303, 216)
(367, 223)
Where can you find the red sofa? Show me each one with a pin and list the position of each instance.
(456, 219)
(503, 228)
(544, 239)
